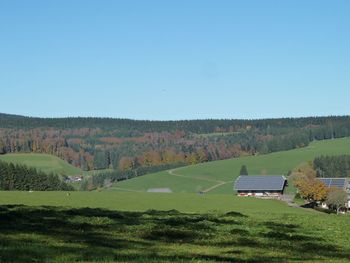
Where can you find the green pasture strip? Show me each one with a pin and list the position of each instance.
(44, 162)
(136, 201)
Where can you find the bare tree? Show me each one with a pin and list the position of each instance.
(336, 199)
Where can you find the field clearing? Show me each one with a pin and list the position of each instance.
(44, 162)
(227, 170)
(162, 180)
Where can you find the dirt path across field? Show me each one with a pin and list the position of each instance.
(218, 182)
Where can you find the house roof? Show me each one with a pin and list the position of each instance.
(334, 182)
(260, 182)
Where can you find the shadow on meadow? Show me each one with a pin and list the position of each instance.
(51, 234)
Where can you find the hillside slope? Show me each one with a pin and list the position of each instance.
(102, 143)
(218, 177)
(45, 162)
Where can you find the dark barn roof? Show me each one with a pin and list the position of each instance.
(260, 183)
(333, 182)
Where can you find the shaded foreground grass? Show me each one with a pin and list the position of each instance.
(58, 234)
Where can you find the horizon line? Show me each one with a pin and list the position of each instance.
(174, 120)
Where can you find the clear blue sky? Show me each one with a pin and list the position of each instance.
(175, 59)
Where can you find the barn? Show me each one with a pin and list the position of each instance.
(260, 185)
(342, 183)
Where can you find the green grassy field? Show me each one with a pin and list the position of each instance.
(129, 225)
(119, 227)
(218, 177)
(45, 162)
(129, 201)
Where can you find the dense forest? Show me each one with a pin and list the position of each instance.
(21, 177)
(127, 145)
(332, 166)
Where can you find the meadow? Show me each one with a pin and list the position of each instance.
(45, 162)
(126, 224)
(218, 177)
(145, 227)
(130, 201)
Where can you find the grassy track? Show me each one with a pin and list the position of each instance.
(45, 162)
(204, 176)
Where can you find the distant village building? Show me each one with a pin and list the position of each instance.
(73, 179)
(271, 186)
(341, 183)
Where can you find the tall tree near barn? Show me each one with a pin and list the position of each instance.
(244, 170)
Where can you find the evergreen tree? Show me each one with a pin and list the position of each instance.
(23, 178)
(244, 170)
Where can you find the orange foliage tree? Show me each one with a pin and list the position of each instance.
(126, 163)
(311, 189)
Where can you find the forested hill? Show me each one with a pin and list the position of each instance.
(124, 144)
(195, 126)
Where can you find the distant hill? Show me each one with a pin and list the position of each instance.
(109, 143)
(44, 162)
(217, 177)
(195, 126)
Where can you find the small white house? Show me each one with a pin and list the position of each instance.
(341, 183)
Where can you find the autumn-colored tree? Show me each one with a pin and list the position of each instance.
(201, 155)
(151, 158)
(311, 189)
(2, 147)
(126, 163)
(168, 156)
(192, 158)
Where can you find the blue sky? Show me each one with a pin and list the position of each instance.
(175, 59)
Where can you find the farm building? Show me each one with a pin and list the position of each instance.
(159, 190)
(342, 183)
(261, 185)
(74, 179)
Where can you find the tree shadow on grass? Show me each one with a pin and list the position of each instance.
(301, 243)
(40, 234)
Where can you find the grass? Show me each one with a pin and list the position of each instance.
(126, 224)
(270, 234)
(132, 226)
(45, 162)
(201, 177)
(130, 201)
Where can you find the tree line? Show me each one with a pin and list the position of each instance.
(24, 178)
(332, 166)
(194, 126)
